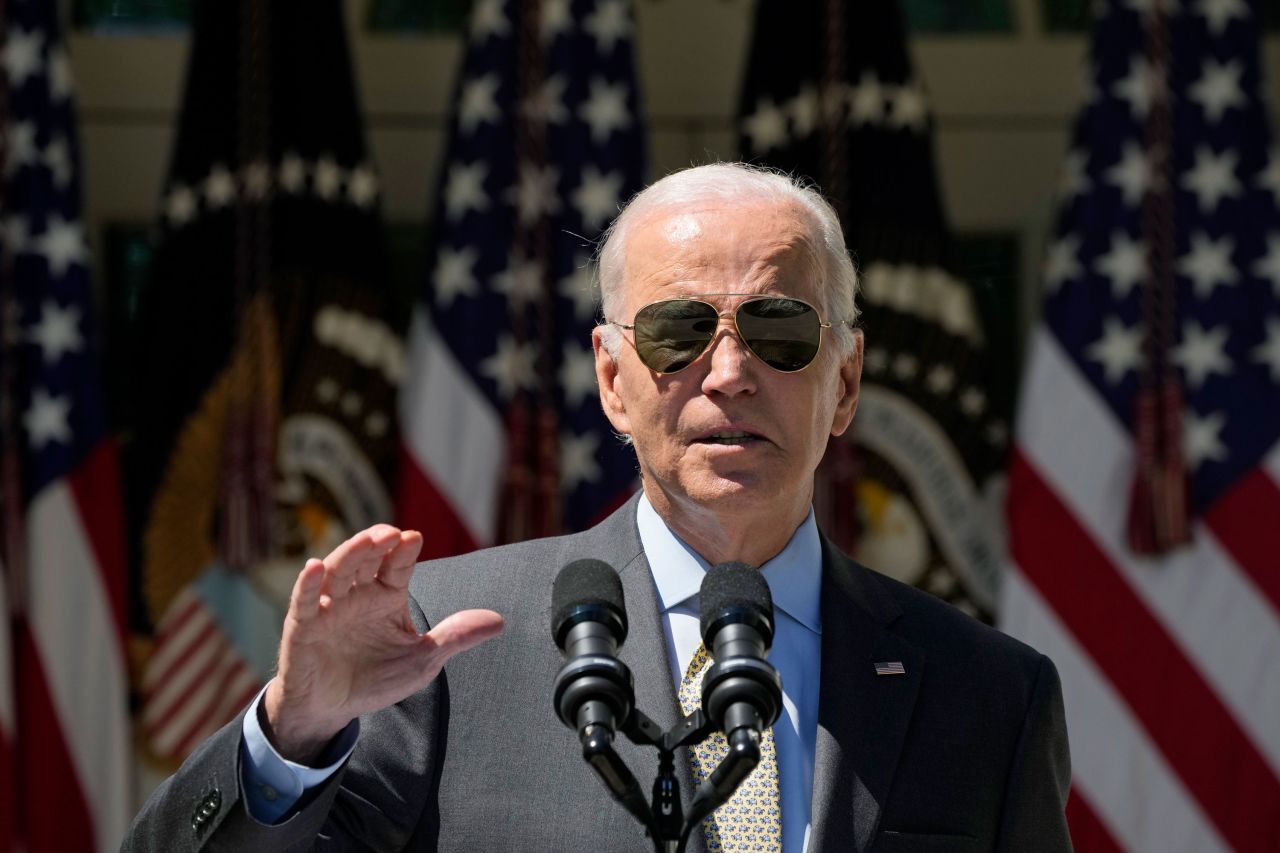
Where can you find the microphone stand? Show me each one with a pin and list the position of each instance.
(663, 817)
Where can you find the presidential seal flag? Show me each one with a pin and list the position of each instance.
(66, 777)
(830, 94)
(502, 429)
(265, 408)
(1143, 495)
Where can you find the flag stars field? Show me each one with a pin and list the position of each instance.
(1219, 14)
(1132, 175)
(521, 281)
(556, 19)
(488, 20)
(1139, 88)
(1213, 178)
(1267, 267)
(478, 105)
(57, 332)
(1202, 353)
(60, 78)
(1119, 350)
(605, 109)
(578, 375)
(597, 197)
(62, 244)
(21, 55)
(579, 287)
(1202, 437)
(47, 419)
(1208, 264)
(57, 159)
(578, 460)
(464, 189)
(454, 275)
(1218, 88)
(20, 146)
(1062, 263)
(511, 367)
(609, 25)
(547, 104)
(1269, 176)
(534, 194)
(1124, 264)
(1268, 353)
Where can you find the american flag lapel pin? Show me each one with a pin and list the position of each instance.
(890, 667)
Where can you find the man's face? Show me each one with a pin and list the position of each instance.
(688, 427)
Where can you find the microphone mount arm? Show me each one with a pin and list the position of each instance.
(663, 817)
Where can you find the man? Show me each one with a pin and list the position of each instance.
(728, 357)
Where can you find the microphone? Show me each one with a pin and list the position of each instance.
(741, 689)
(741, 692)
(593, 692)
(589, 622)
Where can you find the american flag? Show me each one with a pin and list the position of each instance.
(502, 428)
(1162, 279)
(64, 534)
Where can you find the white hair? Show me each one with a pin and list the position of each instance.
(735, 182)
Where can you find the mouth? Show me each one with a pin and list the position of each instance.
(729, 437)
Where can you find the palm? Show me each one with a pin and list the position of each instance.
(349, 645)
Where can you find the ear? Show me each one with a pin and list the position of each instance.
(610, 383)
(850, 381)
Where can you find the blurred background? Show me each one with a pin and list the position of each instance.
(275, 271)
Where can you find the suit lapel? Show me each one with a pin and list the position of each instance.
(645, 650)
(862, 717)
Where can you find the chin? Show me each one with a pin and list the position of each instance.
(721, 492)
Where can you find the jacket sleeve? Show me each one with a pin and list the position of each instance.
(1034, 813)
(381, 799)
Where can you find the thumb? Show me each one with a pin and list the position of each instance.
(464, 630)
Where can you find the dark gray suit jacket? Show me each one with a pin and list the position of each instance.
(966, 752)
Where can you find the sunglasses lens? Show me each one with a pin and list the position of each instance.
(670, 335)
(783, 333)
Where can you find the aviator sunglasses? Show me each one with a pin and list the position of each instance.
(783, 332)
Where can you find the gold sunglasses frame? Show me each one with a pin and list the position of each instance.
(723, 315)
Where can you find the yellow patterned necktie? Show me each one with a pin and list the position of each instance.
(752, 818)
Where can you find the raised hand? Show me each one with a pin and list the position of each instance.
(349, 645)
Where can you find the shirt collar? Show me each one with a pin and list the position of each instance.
(794, 575)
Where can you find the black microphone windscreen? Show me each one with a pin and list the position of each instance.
(587, 589)
(739, 591)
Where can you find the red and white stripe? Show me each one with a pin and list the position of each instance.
(1171, 666)
(195, 680)
(449, 489)
(72, 709)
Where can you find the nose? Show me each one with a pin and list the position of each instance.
(732, 368)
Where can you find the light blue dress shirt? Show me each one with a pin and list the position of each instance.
(273, 785)
(795, 580)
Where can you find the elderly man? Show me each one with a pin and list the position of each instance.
(728, 357)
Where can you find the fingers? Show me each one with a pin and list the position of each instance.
(357, 559)
(397, 566)
(463, 630)
(304, 602)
